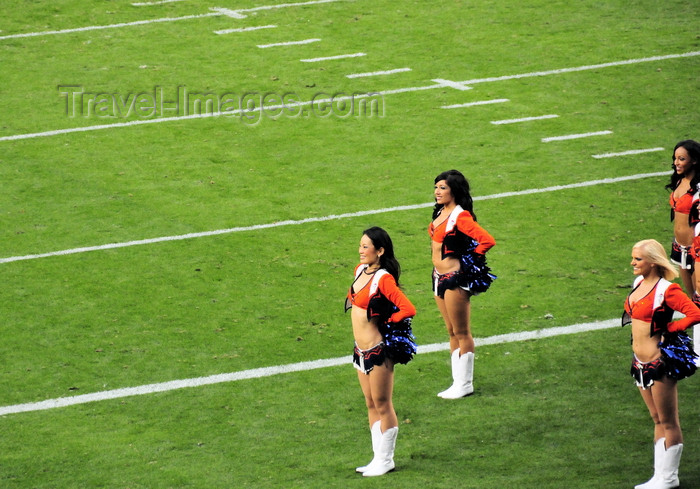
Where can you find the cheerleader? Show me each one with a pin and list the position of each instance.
(663, 354)
(683, 185)
(381, 324)
(458, 246)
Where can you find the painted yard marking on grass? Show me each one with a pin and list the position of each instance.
(472, 104)
(625, 153)
(71, 130)
(451, 84)
(173, 385)
(289, 368)
(378, 73)
(205, 115)
(110, 26)
(525, 119)
(286, 5)
(148, 4)
(288, 43)
(55, 132)
(327, 58)
(245, 29)
(528, 335)
(228, 12)
(584, 68)
(576, 136)
(589, 183)
(216, 11)
(331, 217)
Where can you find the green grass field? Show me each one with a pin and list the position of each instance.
(552, 413)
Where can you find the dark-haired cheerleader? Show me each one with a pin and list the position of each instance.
(381, 324)
(683, 185)
(459, 245)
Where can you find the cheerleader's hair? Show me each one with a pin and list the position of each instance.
(693, 149)
(459, 186)
(655, 253)
(380, 239)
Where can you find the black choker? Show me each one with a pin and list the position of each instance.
(370, 273)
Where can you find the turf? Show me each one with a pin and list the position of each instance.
(548, 413)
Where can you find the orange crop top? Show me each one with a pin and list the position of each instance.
(466, 224)
(437, 233)
(643, 309)
(361, 297)
(673, 300)
(387, 288)
(683, 204)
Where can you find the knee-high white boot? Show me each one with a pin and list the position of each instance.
(384, 461)
(659, 453)
(454, 358)
(376, 432)
(463, 373)
(669, 469)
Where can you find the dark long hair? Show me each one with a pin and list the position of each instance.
(381, 239)
(693, 149)
(459, 186)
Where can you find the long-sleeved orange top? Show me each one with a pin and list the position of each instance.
(453, 231)
(375, 301)
(656, 308)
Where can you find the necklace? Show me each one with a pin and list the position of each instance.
(372, 272)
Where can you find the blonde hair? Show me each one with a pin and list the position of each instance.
(654, 253)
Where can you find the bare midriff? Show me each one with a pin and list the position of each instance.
(446, 265)
(366, 333)
(681, 230)
(645, 347)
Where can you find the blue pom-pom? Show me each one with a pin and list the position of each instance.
(399, 340)
(678, 354)
(477, 274)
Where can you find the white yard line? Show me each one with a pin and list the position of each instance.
(525, 119)
(630, 152)
(452, 84)
(576, 136)
(149, 4)
(286, 5)
(285, 369)
(288, 43)
(582, 68)
(98, 127)
(332, 217)
(331, 58)
(378, 73)
(245, 29)
(234, 14)
(205, 115)
(110, 26)
(216, 11)
(473, 104)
